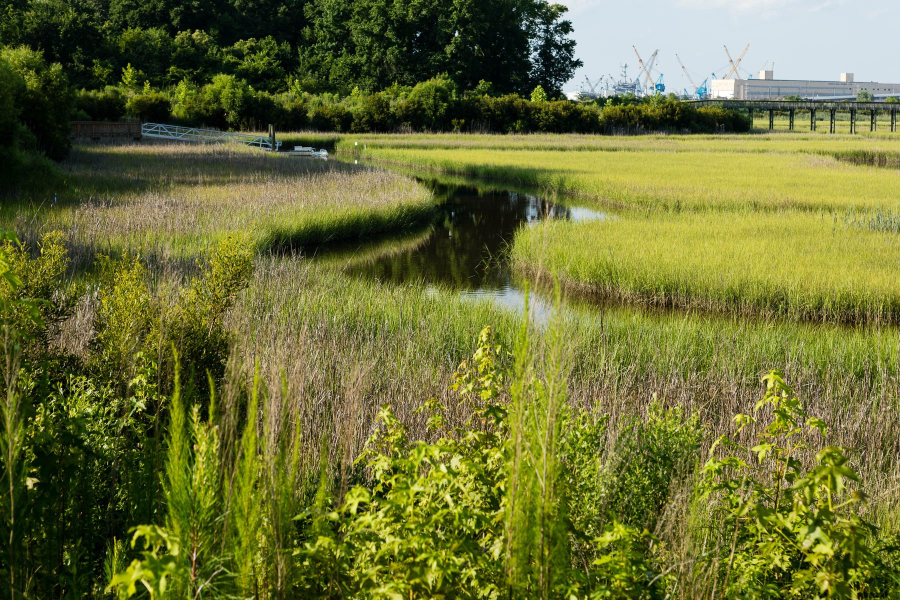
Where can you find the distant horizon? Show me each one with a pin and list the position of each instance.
(809, 40)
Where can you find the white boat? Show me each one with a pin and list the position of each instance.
(309, 152)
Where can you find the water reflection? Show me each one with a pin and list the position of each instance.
(465, 249)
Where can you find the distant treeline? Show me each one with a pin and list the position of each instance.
(37, 102)
(433, 105)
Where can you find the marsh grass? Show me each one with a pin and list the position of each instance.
(173, 200)
(322, 351)
(746, 225)
(702, 180)
(870, 157)
(336, 348)
(795, 265)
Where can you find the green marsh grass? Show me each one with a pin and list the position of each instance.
(795, 265)
(682, 180)
(331, 348)
(760, 142)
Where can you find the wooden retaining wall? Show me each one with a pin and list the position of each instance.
(105, 130)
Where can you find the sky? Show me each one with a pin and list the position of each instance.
(807, 39)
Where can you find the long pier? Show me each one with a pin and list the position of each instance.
(196, 134)
(871, 109)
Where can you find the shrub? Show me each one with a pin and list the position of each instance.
(42, 98)
(651, 454)
(788, 531)
(716, 118)
(151, 107)
(479, 513)
(195, 325)
(12, 135)
(126, 314)
(329, 117)
(429, 105)
(105, 105)
(374, 114)
(40, 280)
(222, 103)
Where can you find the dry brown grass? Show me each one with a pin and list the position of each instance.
(171, 200)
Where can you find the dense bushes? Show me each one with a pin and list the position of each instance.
(101, 105)
(671, 115)
(35, 105)
(151, 106)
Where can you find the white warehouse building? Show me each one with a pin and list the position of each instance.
(769, 88)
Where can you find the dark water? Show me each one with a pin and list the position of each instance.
(465, 247)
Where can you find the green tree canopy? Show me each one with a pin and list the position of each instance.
(330, 45)
(43, 97)
(514, 44)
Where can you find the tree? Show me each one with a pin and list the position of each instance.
(373, 44)
(10, 130)
(865, 96)
(553, 49)
(65, 31)
(150, 107)
(45, 101)
(195, 56)
(262, 63)
(148, 50)
(538, 95)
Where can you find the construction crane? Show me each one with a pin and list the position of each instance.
(735, 65)
(647, 70)
(703, 90)
(652, 62)
(699, 90)
(765, 68)
(688, 75)
(659, 87)
(592, 87)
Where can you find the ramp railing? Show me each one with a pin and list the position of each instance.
(194, 134)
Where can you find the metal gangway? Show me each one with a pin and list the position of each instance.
(194, 134)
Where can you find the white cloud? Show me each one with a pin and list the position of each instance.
(763, 8)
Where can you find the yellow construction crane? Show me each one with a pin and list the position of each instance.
(684, 68)
(650, 83)
(735, 65)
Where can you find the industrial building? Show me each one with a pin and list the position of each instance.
(766, 87)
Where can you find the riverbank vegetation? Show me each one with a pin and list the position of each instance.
(261, 493)
(437, 104)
